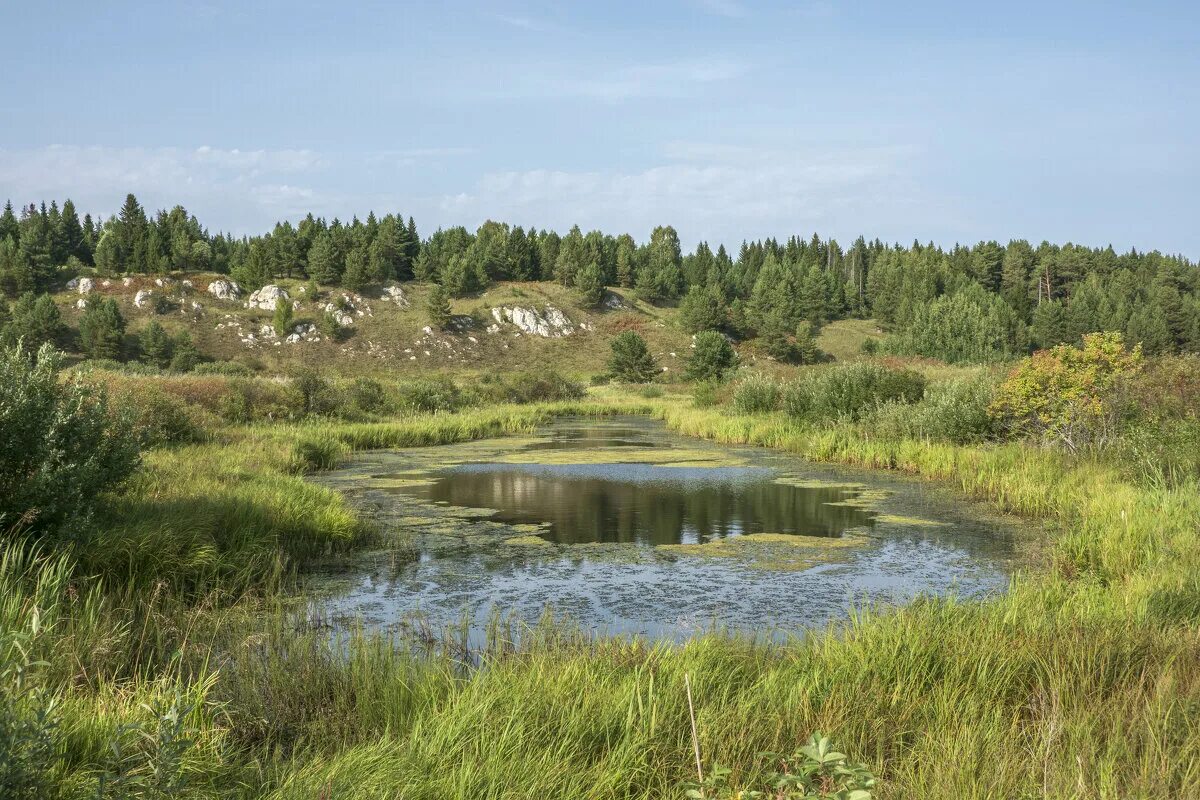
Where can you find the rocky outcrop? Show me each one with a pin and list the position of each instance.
(265, 297)
(142, 298)
(222, 289)
(84, 285)
(549, 323)
(396, 295)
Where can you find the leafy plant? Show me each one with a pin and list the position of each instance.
(816, 771)
(712, 359)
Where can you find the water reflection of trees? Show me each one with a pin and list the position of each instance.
(582, 509)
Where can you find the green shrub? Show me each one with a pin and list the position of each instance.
(650, 392)
(367, 395)
(531, 387)
(712, 358)
(232, 369)
(35, 320)
(757, 394)
(317, 394)
(630, 360)
(61, 447)
(850, 390)
(160, 418)
(281, 321)
(816, 771)
(705, 394)
(952, 411)
(433, 394)
(185, 357)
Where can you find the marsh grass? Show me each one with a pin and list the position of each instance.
(1083, 681)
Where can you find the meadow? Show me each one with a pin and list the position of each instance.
(163, 652)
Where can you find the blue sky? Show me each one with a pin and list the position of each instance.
(730, 119)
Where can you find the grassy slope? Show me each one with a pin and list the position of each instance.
(377, 344)
(1082, 682)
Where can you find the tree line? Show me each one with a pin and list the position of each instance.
(987, 301)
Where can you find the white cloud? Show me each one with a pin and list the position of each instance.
(723, 8)
(716, 192)
(253, 187)
(682, 78)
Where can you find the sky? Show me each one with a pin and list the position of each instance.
(729, 119)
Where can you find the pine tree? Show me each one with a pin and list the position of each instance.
(35, 320)
(282, 319)
(155, 345)
(776, 293)
(101, 328)
(9, 227)
(437, 307)
(703, 309)
(712, 358)
(630, 360)
(590, 283)
(570, 257)
(323, 266)
(626, 260)
(184, 356)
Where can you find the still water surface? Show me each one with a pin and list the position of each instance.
(626, 528)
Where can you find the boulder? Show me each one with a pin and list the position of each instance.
(222, 289)
(265, 297)
(126, 281)
(142, 298)
(73, 283)
(267, 332)
(548, 323)
(396, 295)
(292, 338)
(86, 285)
(81, 303)
(163, 282)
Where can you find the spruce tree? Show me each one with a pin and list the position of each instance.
(155, 345)
(184, 356)
(281, 321)
(630, 360)
(437, 307)
(322, 260)
(101, 328)
(590, 284)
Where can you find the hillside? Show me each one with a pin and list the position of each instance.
(386, 330)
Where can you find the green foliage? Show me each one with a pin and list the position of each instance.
(233, 369)
(367, 395)
(951, 411)
(703, 308)
(317, 394)
(61, 447)
(1068, 394)
(281, 321)
(155, 344)
(757, 394)
(848, 391)
(532, 387)
(329, 326)
(437, 307)
(805, 348)
(101, 328)
(816, 771)
(630, 360)
(713, 358)
(589, 281)
(35, 321)
(970, 326)
(431, 395)
(184, 355)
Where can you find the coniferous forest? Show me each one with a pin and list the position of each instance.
(967, 303)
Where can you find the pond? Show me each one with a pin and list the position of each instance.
(623, 527)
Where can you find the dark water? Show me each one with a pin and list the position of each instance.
(645, 504)
(608, 502)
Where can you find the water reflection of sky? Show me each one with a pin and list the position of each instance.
(626, 586)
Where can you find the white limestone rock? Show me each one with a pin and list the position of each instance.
(142, 298)
(222, 289)
(550, 323)
(265, 297)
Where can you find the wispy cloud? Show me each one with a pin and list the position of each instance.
(711, 191)
(722, 8)
(669, 79)
(253, 186)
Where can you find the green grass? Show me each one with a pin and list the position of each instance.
(1082, 682)
(843, 339)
